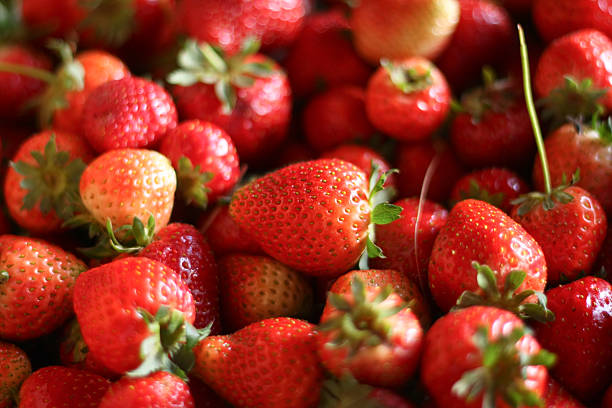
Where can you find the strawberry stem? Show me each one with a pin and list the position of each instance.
(25, 70)
(537, 132)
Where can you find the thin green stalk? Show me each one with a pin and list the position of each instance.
(31, 72)
(537, 132)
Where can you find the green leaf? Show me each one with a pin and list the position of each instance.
(227, 95)
(249, 46)
(213, 58)
(258, 69)
(513, 280)
(373, 250)
(183, 78)
(543, 357)
(385, 213)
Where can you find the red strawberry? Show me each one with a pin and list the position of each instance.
(133, 314)
(247, 95)
(557, 397)
(15, 367)
(313, 216)
(62, 387)
(323, 55)
(397, 239)
(574, 75)
(481, 356)
(370, 334)
(43, 176)
(225, 236)
(581, 336)
(392, 29)
(130, 112)
(495, 185)
(56, 19)
(36, 286)
(183, 248)
(362, 157)
(407, 99)
(205, 159)
(554, 18)
(19, 89)
(477, 231)
(346, 391)
(335, 117)
(160, 389)
(274, 22)
(271, 363)
(255, 288)
(484, 29)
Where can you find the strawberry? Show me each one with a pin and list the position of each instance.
(558, 397)
(204, 158)
(484, 28)
(57, 19)
(323, 55)
(225, 236)
(274, 22)
(184, 249)
(127, 113)
(362, 157)
(482, 356)
(62, 387)
(407, 99)
(15, 367)
(478, 231)
(43, 176)
(230, 91)
(36, 286)
(313, 216)
(268, 364)
(18, 88)
(554, 18)
(392, 29)
(407, 249)
(255, 288)
(335, 117)
(581, 336)
(347, 391)
(370, 334)
(573, 76)
(160, 389)
(135, 315)
(495, 185)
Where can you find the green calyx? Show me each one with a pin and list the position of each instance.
(576, 99)
(407, 80)
(508, 299)
(346, 392)
(133, 237)
(475, 191)
(603, 128)
(51, 181)
(4, 276)
(205, 63)
(170, 344)
(112, 21)
(192, 182)
(361, 322)
(10, 21)
(503, 372)
(529, 201)
(496, 95)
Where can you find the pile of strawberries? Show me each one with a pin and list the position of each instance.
(299, 203)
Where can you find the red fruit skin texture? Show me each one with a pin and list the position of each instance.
(335, 117)
(55, 19)
(493, 180)
(389, 364)
(208, 146)
(580, 335)
(62, 387)
(568, 150)
(483, 30)
(106, 303)
(478, 231)
(100, 67)
(311, 216)
(33, 219)
(362, 157)
(37, 298)
(323, 55)
(388, 399)
(184, 249)
(225, 236)
(271, 363)
(397, 239)
(130, 112)
(15, 367)
(227, 24)
(158, 390)
(570, 235)
(449, 351)
(412, 116)
(580, 54)
(260, 120)
(555, 18)
(18, 90)
(557, 397)
(413, 159)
